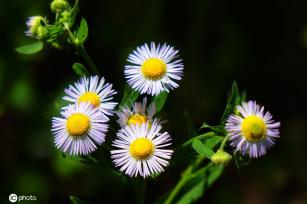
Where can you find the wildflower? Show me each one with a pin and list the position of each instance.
(94, 91)
(35, 27)
(153, 70)
(141, 149)
(138, 115)
(79, 129)
(252, 131)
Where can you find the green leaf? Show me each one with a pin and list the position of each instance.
(233, 101)
(214, 173)
(82, 32)
(219, 130)
(201, 149)
(30, 49)
(160, 101)
(80, 69)
(213, 141)
(130, 96)
(193, 194)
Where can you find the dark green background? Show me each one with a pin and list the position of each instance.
(260, 44)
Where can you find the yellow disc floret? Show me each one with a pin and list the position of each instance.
(253, 128)
(141, 148)
(91, 97)
(137, 119)
(78, 124)
(153, 69)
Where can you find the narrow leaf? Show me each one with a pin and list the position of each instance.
(220, 130)
(233, 101)
(160, 101)
(201, 149)
(30, 49)
(80, 69)
(214, 173)
(193, 194)
(213, 141)
(129, 97)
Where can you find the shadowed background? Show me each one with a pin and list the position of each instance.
(261, 45)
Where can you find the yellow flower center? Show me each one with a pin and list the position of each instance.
(91, 97)
(141, 148)
(253, 128)
(153, 69)
(137, 119)
(78, 124)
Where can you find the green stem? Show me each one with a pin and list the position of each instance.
(185, 177)
(140, 191)
(81, 51)
(199, 137)
(224, 142)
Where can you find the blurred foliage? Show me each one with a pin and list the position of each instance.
(261, 45)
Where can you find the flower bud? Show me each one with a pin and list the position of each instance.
(35, 28)
(58, 6)
(221, 157)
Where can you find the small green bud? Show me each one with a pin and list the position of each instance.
(65, 17)
(58, 6)
(221, 157)
(35, 28)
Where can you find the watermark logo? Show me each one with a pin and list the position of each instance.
(13, 198)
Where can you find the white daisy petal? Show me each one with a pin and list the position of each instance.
(253, 131)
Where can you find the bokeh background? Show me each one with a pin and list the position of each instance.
(260, 44)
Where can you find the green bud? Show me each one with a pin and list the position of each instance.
(58, 6)
(221, 157)
(65, 17)
(35, 28)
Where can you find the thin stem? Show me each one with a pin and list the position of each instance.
(140, 191)
(185, 177)
(199, 137)
(81, 51)
(224, 142)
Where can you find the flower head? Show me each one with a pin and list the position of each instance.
(79, 128)
(138, 115)
(35, 28)
(58, 6)
(253, 131)
(154, 70)
(94, 91)
(141, 149)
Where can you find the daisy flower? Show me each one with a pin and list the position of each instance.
(94, 91)
(253, 130)
(79, 129)
(141, 149)
(138, 115)
(153, 70)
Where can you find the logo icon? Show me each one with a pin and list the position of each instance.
(13, 198)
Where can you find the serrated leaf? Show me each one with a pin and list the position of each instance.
(193, 194)
(160, 100)
(30, 49)
(82, 32)
(213, 141)
(129, 97)
(214, 173)
(233, 101)
(80, 69)
(201, 149)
